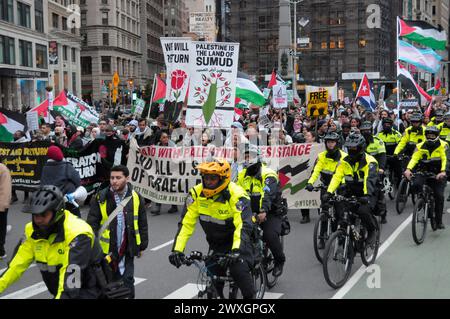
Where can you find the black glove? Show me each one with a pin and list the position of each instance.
(176, 258)
(309, 187)
(326, 197)
(364, 200)
(231, 258)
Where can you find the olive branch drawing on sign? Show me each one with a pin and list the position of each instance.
(219, 93)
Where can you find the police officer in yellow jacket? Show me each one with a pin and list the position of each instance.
(359, 172)
(444, 127)
(261, 183)
(413, 135)
(437, 119)
(430, 156)
(62, 245)
(325, 167)
(126, 236)
(375, 147)
(223, 209)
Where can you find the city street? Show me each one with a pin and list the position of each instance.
(407, 270)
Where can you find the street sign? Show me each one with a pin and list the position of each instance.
(303, 42)
(359, 75)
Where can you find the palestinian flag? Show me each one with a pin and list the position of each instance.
(248, 91)
(159, 91)
(423, 33)
(435, 89)
(407, 80)
(10, 122)
(275, 80)
(42, 109)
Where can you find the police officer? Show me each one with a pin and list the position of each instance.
(437, 119)
(391, 138)
(62, 245)
(226, 217)
(325, 167)
(261, 183)
(431, 157)
(359, 170)
(375, 147)
(413, 135)
(444, 127)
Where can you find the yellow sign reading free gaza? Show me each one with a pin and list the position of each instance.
(317, 103)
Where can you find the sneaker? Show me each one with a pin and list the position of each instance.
(173, 210)
(156, 209)
(2, 253)
(8, 228)
(305, 220)
(383, 220)
(277, 269)
(440, 226)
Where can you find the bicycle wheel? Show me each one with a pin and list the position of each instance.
(317, 235)
(338, 259)
(432, 215)
(419, 221)
(391, 192)
(269, 263)
(402, 196)
(259, 282)
(370, 252)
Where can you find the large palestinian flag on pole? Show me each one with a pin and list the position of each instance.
(10, 122)
(247, 90)
(423, 33)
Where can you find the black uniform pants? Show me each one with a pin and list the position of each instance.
(364, 212)
(3, 226)
(438, 188)
(240, 271)
(271, 236)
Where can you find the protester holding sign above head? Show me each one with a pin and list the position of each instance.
(76, 141)
(61, 174)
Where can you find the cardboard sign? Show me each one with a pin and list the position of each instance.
(318, 103)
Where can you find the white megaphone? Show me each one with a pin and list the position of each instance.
(80, 194)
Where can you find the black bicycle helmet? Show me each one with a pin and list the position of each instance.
(331, 136)
(355, 140)
(446, 116)
(47, 197)
(432, 130)
(416, 117)
(387, 120)
(366, 126)
(439, 113)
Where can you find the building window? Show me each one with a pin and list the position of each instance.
(341, 43)
(362, 43)
(74, 55)
(106, 64)
(23, 15)
(56, 81)
(7, 50)
(105, 39)
(104, 1)
(86, 65)
(74, 83)
(332, 43)
(55, 20)
(84, 39)
(6, 10)
(65, 52)
(26, 53)
(39, 16)
(324, 44)
(105, 18)
(64, 23)
(41, 56)
(83, 18)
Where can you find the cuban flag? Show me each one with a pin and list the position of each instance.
(365, 94)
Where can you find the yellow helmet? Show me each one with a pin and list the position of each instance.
(217, 166)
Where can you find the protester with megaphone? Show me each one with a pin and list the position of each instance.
(63, 175)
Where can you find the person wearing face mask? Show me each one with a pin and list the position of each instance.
(437, 119)
(391, 138)
(413, 135)
(58, 242)
(263, 187)
(430, 156)
(376, 148)
(359, 170)
(325, 167)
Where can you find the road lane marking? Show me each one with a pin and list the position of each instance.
(190, 291)
(358, 274)
(162, 245)
(40, 287)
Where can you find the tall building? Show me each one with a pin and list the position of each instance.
(344, 37)
(173, 18)
(111, 33)
(152, 28)
(64, 47)
(254, 24)
(23, 52)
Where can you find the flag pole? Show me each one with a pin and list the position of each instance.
(398, 82)
(151, 97)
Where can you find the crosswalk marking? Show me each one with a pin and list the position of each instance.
(40, 287)
(162, 245)
(190, 291)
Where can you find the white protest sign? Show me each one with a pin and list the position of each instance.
(280, 98)
(32, 121)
